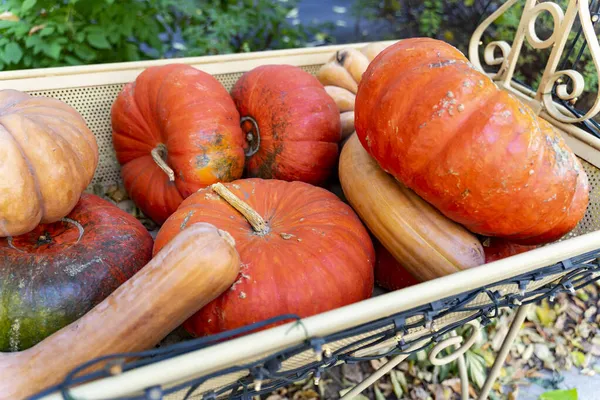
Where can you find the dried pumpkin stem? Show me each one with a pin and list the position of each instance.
(258, 223)
(158, 153)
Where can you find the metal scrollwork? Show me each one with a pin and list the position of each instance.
(556, 85)
(454, 341)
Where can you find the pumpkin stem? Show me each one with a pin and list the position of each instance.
(158, 153)
(252, 137)
(258, 223)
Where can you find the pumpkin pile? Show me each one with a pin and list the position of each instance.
(439, 171)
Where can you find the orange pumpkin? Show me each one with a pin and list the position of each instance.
(291, 124)
(175, 130)
(473, 151)
(47, 158)
(303, 251)
(497, 249)
(389, 273)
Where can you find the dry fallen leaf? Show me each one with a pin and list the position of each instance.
(8, 16)
(36, 29)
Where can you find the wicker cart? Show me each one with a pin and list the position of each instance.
(393, 324)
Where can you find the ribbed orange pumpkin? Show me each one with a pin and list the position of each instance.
(473, 151)
(291, 124)
(175, 130)
(304, 251)
(47, 158)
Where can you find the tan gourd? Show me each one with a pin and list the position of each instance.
(195, 267)
(334, 74)
(353, 60)
(347, 120)
(425, 242)
(344, 99)
(341, 75)
(373, 49)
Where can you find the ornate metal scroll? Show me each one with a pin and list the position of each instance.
(565, 85)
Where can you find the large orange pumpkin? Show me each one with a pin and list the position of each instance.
(304, 251)
(47, 158)
(175, 130)
(291, 124)
(473, 151)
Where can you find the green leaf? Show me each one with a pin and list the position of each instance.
(396, 385)
(378, 394)
(476, 368)
(560, 395)
(12, 53)
(49, 30)
(98, 41)
(27, 5)
(53, 50)
(72, 60)
(578, 358)
(84, 52)
(131, 52)
(32, 41)
(7, 24)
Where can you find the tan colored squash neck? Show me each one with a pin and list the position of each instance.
(193, 269)
(158, 153)
(258, 223)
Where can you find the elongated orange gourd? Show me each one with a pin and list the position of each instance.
(473, 151)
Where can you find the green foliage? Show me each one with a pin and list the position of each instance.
(45, 33)
(560, 395)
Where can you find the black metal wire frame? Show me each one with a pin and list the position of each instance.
(578, 272)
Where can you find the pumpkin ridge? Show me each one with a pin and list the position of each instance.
(31, 170)
(57, 137)
(151, 187)
(133, 139)
(434, 158)
(92, 147)
(86, 138)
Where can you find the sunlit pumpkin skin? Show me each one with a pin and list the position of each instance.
(187, 114)
(290, 122)
(473, 151)
(54, 274)
(389, 273)
(315, 256)
(47, 158)
(496, 249)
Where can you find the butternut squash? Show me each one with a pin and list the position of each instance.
(425, 242)
(344, 99)
(195, 267)
(347, 121)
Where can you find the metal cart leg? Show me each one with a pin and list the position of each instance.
(506, 345)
